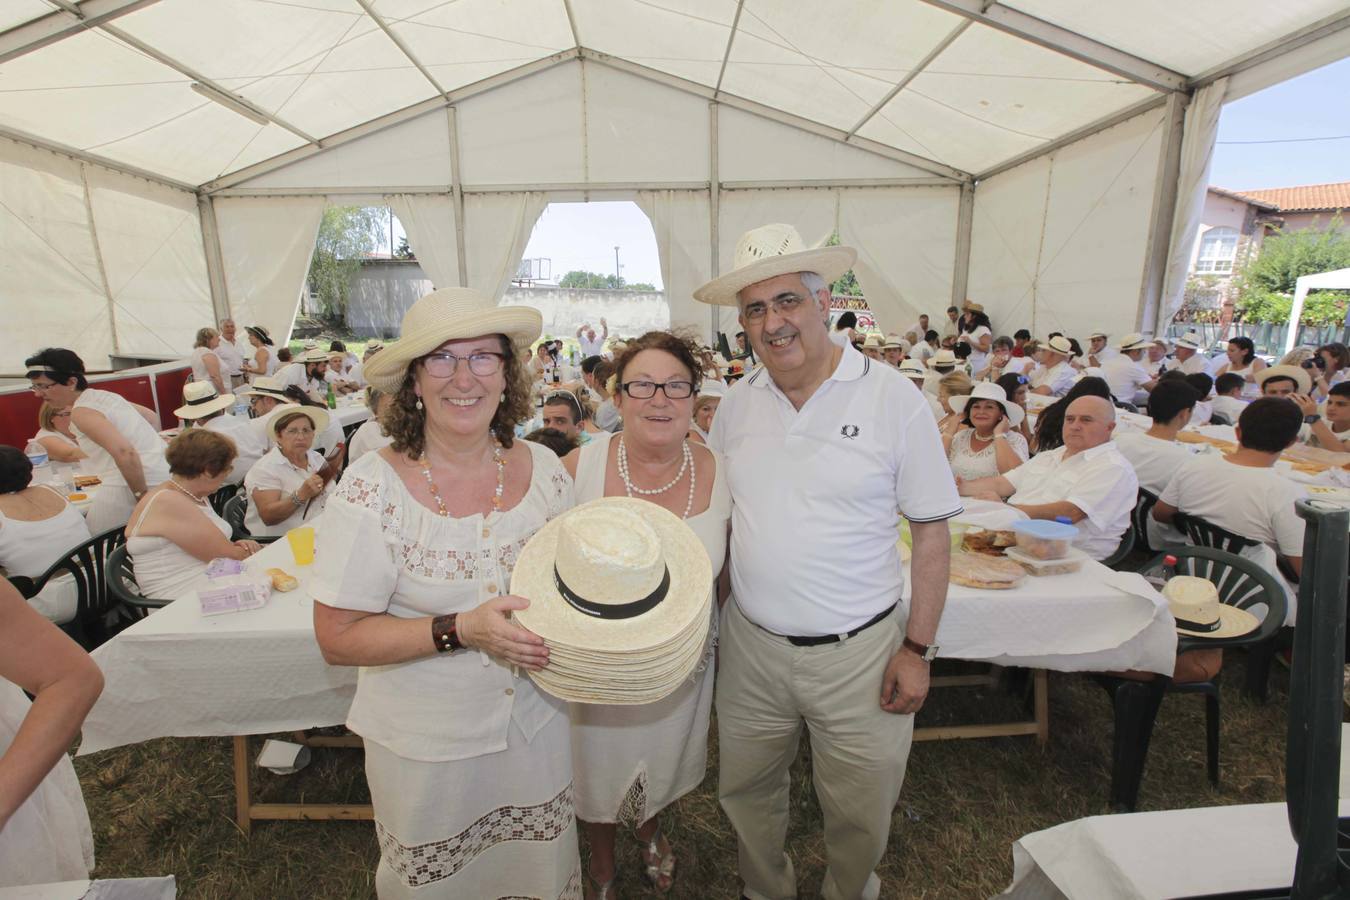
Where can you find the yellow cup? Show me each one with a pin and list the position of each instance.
(302, 544)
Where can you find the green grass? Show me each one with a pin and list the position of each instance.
(166, 806)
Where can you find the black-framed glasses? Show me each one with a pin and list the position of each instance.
(782, 304)
(645, 390)
(444, 365)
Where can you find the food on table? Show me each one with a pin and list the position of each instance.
(977, 570)
(77, 497)
(1065, 565)
(1043, 539)
(83, 481)
(987, 541)
(282, 580)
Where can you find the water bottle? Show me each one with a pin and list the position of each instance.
(37, 455)
(1159, 579)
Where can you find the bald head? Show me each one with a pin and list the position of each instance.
(1088, 423)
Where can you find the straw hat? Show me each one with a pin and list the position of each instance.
(1059, 344)
(1195, 605)
(200, 398)
(987, 390)
(1133, 341)
(972, 307)
(1190, 340)
(268, 386)
(620, 591)
(769, 251)
(374, 344)
(874, 341)
(449, 314)
(311, 353)
(736, 368)
(260, 333)
(912, 368)
(318, 417)
(1097, 334)
(943, 358)
(1297, 373)
(894, 342)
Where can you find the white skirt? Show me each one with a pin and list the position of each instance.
(500, 825)
(630, 762)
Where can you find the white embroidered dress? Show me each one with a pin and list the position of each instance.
(468, 764)
(630, 762)
(969, 465)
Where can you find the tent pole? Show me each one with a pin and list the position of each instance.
(1161, 217)
(215, 268)
(457, 192)
(714, 210)
(965, 215)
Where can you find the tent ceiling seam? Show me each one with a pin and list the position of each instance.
(59, 25)
(399, 43)
(49, 245)
(19, 137)
(726, 54)
(1078, 134)
(1273, 50)
(817, 64)
(98, 257)
(909, 76)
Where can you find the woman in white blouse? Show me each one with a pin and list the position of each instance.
(976, 331)
(264, 360)
(205, 364)
(984, 441)
(286, 488)
(464, 756)
(125, 451)
(54, 433)
(37, 528)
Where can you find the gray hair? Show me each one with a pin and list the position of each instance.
(813, 283)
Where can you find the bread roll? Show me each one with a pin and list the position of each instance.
(282, 580)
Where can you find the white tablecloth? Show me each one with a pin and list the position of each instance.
(162, 888)
(350, 414)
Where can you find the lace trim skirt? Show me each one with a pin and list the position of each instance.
(494, 826)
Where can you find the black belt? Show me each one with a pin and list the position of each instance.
(815, 640)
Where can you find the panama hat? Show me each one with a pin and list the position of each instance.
(1133, 341)
(620, 591)
(1190, 340)
(374, 344)
(1297, 373)
(1098, 334)
(987, 390)
(318, 416)
(968, 306)
(874, 341)
(312, 353)
(267, 386)
(769, 251)
(260, 333)
(1195, 605)
(1059, 344)
(450, 314)
(943, 358)
(200, 398)
(913, 368)
(893, 342)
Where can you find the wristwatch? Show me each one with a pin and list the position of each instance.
(1312, 419)
(926, 652)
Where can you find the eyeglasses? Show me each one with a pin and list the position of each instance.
(782, 304)
(61, 415)
(42, 388)
(645, 390)
(297, 432)
(445, 365)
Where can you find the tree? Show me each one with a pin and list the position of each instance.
(1266, 281)
(404, 251)
(846, 284)
(347, 234)
(593, 281)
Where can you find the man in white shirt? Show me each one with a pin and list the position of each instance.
(952, 327)
(591, 344)
(307, 373)
(1054, 376)
(1155, 454)
(1098, 351)
(1187, 355)
(1156, 362)
(1228, 400)
(345, 377)
(918, 329)
(1124, 373)
(1241, 492)
(1086, 480)
(815, 627)
(923, 350)
(232, 351)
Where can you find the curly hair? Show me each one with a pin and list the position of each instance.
(683, 347)
(406, 424)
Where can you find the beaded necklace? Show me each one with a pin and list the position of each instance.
(497, 457)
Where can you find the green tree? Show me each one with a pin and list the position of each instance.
(347, 234)
(593, 281)
(403, 251)
(1265, 282)
(846, 284)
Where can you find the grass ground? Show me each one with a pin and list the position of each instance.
(166, 806)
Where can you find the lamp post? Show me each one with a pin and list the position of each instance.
(616, 265)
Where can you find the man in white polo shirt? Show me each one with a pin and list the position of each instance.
(1187, 355)
(824, 451)
(1054, 376)
(1125, 374)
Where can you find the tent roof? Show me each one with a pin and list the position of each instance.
(205, 94)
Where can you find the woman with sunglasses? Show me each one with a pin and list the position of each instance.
(629, 762)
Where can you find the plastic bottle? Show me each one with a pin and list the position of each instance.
(37, 455)
(332, 396)
(1159, 579)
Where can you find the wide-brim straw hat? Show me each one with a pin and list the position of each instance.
(1059, 344)
(1189, 340)
(987, 390)
(312, 355)
(913, 368)
(200, 398)
(894, 342)
(1135, 341)
(450, 314)
(943, 358)
(769, 251)
(968, 306)
(1098, 334)
(268, 386)
(874, 341)
(259, 332)
(1195, 605)
(318, 417)
(620, 590)
(1297, 373)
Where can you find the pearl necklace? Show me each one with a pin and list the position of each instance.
(497, 457)
(201, 500)
(686, 463)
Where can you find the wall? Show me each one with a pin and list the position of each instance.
(381, 292)
(1298, 221)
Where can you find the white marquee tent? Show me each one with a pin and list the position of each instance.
(163, 162)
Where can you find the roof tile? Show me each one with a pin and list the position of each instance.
(1305, 197)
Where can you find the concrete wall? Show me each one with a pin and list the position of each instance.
(1298, 221)
(382, 291)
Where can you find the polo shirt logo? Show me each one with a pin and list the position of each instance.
(849, 431)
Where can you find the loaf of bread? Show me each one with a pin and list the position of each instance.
(282, 580)
(980, 571)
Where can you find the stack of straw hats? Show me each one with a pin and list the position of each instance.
(620, 591)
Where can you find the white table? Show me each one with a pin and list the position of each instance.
(162, 888)
(350, 413)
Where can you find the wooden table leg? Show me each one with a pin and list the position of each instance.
(242, 806)
(1042, 701)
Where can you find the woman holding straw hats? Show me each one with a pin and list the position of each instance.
(469, 764)
(632, 761)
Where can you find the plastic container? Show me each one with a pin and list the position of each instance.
(1042, 539)
(37, 455)
(1065, 565)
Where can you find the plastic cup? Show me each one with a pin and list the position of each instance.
(302, 544)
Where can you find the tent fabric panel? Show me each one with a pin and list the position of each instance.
(415, 153)
(637, 130)
(1321, 52)
(1188, 37)
(51, 293)
(150, 238)
(17, 12)
(496, 229)
(429, 221)
(680, 222)
(526, 132)
(685, 39)
(265, 247)
(753, 148)
(906, 241)
(1005, 241)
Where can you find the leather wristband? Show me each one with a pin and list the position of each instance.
(926, 652)
(445, 633)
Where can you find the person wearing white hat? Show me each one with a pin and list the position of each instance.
(204, 408)
(373, 346)
(307, 372)
(893, 350)
(465, 756)
(987, 441)
(1186, 354)
(1155, 363)
(291, 484)
(977, 333)
(872, 346)
(1125, 373)
(1054, 375)
(1099, 349)
(919, 376)
(816, 624)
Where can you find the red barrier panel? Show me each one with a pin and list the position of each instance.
(19, 406)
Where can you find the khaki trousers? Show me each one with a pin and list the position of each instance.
(766, 689)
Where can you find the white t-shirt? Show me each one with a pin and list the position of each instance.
(198, 360)
(232, 356)
(274, 472)
(249, 444)
(922, 352)
(861, 452)
(1124, 376)
(1103, 356)
(589, 347)
(1197, 363)
(1200, 415)
(1155, 461)
(977, 357)
(294, 374)
(1100, 482)
(367, 438)
(1230, 407)
(1059, 378)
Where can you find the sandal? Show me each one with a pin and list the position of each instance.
(660, 871)
(595, 890)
